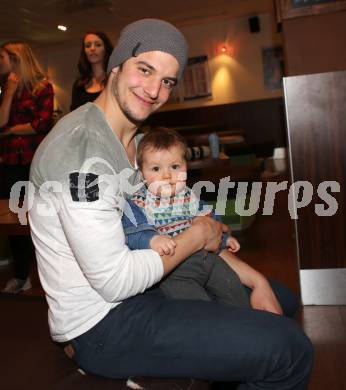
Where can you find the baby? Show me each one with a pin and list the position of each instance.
(165, 207)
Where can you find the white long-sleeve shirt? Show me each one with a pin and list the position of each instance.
(80, 174)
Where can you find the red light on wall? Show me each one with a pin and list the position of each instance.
(223, 48)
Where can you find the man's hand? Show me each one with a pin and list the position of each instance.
(163, 245)
(212, 231)
(263, 298)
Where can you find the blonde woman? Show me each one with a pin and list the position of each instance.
(26, 108)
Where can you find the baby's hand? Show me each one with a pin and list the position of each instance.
(232, 244)
(163, 245)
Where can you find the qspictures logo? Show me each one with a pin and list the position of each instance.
(86, 188)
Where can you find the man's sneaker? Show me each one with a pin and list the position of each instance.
(15, 286)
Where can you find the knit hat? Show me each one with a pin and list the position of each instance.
(149, 35)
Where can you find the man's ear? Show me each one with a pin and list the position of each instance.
(115, 70)
(111, 74)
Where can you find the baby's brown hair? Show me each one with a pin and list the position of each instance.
(160, 138)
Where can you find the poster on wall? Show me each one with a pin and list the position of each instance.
(273, 67)
(197, 78)
(306, 3)
(295, 8)
(196, 83)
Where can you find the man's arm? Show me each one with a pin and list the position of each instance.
(205, 210)
(95, 235)
(205, 233)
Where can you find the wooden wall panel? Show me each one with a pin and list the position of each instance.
(315, 110)
(315, 44)
(262, 120)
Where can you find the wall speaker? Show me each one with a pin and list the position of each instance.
(254, 24)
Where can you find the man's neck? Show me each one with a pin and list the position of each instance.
(123, 129)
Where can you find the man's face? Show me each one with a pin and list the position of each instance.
(143, 84)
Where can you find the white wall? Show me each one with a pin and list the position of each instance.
(60, 61)
(235, 78)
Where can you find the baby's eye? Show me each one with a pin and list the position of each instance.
(175, 166)
(155, 169)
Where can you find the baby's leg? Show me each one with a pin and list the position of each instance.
(187, 281)
(224, 284)
(185, 289)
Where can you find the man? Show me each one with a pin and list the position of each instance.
(95, 285)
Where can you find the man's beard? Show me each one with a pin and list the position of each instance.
(122, 105)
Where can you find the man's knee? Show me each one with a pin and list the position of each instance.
(292, 353)
(289, 301)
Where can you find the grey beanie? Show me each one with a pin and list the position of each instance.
(149, 35)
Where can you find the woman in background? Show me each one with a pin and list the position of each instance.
(26, 109)
(92, 66)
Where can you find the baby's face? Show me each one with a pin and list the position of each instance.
(164, 170)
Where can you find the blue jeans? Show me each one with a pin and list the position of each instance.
(156, 336)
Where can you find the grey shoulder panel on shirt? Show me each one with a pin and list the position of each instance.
(81, 140)
(81, 154)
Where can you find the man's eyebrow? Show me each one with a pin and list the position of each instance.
(146, 64)
(173, 79)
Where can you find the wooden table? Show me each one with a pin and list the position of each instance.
(9, 223)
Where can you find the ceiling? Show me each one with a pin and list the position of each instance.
(36, 21)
